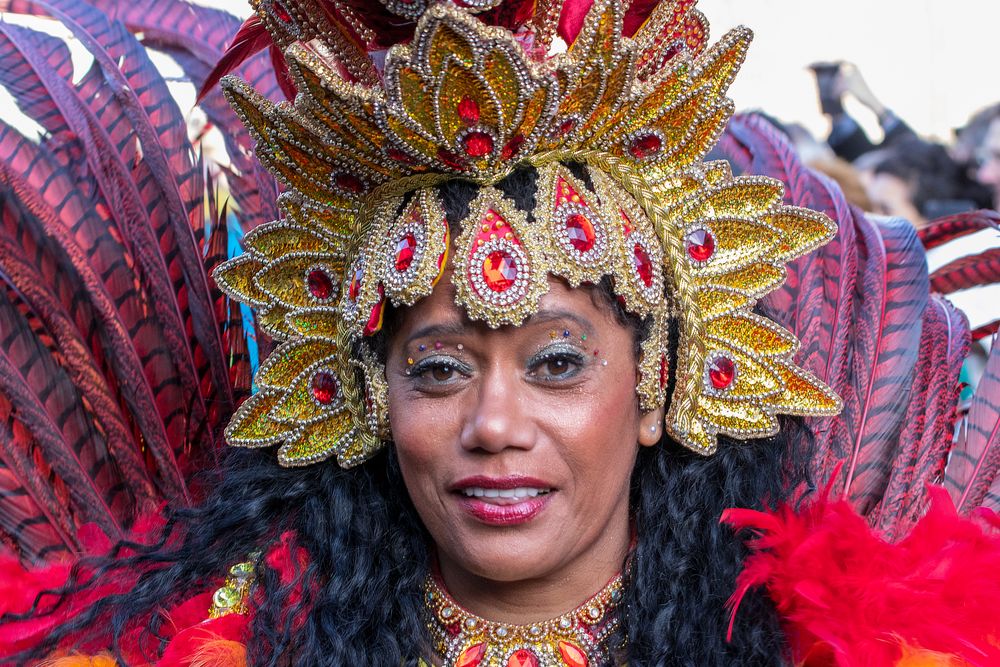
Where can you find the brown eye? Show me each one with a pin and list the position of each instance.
(443, 372)
(557, 367)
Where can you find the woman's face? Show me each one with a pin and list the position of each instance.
(517, 444)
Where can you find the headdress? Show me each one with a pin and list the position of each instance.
(617, 127)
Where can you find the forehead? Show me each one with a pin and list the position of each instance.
(581, 304)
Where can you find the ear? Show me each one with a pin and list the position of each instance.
(651, 427)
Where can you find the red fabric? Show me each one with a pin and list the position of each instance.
(851, 598)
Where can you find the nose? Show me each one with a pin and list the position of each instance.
(499, 418)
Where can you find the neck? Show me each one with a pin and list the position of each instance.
(546, 595)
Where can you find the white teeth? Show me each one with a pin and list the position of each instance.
(519, 492)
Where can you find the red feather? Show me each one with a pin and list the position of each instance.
(943, 230)
(969, 271)
(973, 473)
(851, 597)
(859, 305)
(251, 39)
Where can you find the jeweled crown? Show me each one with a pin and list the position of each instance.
(617, 127)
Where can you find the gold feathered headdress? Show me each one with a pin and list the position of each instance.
(362, 150)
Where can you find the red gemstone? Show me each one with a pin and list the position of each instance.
(349, 182)
(581, 232)
(399, 156)
(643, 265)
(513, 146)
(374, 323)
(281, 12)
(722, 372)
(477, 144)
(405, 248)
(522, 658)
(566, 127)
(664, 375)
(450, 159)
(472, 656)
(572, 655)
(700, 245)
(355, 287)
(324, 387)
(499, 270)
(646, 145)
(468, 110)
(320, 284)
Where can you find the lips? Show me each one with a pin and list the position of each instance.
(502, 501)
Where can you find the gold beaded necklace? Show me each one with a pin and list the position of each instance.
(576, 639)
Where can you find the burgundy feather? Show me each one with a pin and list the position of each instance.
(972, 476)
(969, 271)
(101, 246)
(860, 305)
(251, 39)
(942, 230)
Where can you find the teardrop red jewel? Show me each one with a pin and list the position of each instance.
(646, 145)
(581, 232)
(477, 144)
(472, 656)
(355, 287)
(320, 284)
(722, 372)
(468, 110)
(512, 147)
(566, 127)
(499, 270)
(643, 265)
(324, 387)
(399, 156)
(522, 658)
(349, 182)
(700, 245)
(405, 248)
(281, 12)
(572, 655)
(450, 159)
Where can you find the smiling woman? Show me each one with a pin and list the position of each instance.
(525, 381)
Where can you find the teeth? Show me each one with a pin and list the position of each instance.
(519, 492)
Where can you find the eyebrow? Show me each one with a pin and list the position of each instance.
(544, 316)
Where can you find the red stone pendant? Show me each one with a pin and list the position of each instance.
(468, 110)
(499, 270)
(405, 248)
(572, 654)
(349, 182)
(700, 245)
(354, 289)
(324, 387)
(522, 658)
(477, 144)
(722, 372)
(645, 146)
(320, 284)
(643, 265)
(472, 656)
(581, 232)
(281, 12)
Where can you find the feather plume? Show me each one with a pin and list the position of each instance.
(251, 39)
(861, 307)
(972, 475)
(942, 230)
(853, 598)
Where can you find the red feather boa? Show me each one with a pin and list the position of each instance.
(851, 598)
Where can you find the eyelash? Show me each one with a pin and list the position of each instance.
(564, 354)
(574, 360)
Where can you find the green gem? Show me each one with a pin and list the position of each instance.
(225, 598)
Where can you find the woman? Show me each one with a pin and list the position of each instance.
(521, 314)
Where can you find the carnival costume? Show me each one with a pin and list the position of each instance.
(615, 106)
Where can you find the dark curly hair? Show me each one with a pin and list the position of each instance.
(368, 552)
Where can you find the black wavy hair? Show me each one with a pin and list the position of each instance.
(368, 553)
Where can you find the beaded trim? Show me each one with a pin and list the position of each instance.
(575, 639)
